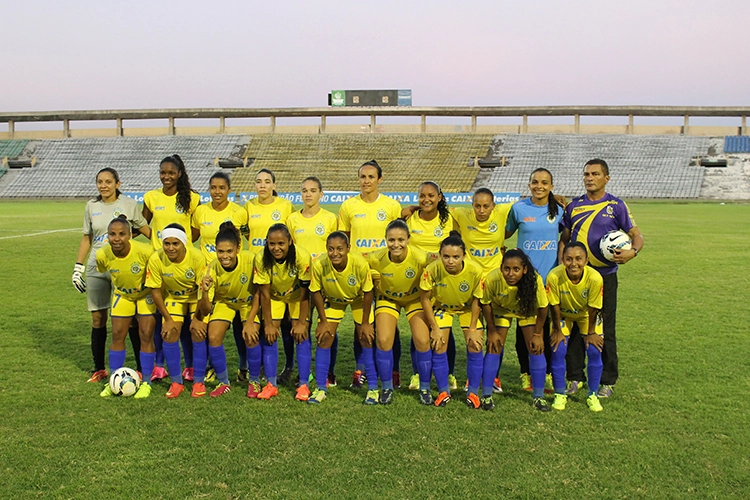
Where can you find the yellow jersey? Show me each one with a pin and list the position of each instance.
(236, 285)
(575, 298)
(207, 220)
(261, 217)
(342, 287)
(311, 233)
(366, 222)
(128, 274)
(504, 297)
(426, 235)
(285, 280)
(483, 240)
(165, 212)
(452, 292)
(179, 281)
(398, 281)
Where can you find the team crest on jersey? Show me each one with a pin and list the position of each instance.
(135, 268)
(410, 273)
(319, 229)
(116, 213)
(438, 232)
(292, 272)
(551, 219)
(351, 280)
(190, 274)
(243, 278)
(381, 215)
(463, 286)
(493, 227)
(179, 209)
(585, 293)
(276, 215)
(149, 299)
(609, 209)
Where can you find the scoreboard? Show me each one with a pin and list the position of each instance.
(350, 98)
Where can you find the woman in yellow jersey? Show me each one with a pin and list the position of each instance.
(452, 286)
(175, 202)
(126, 263)
(282, 276)
(514, 290)
(227, 292)
(264, 211)
(397, 271)
(364, 218)
(340, 279)
(207, 219)
(174, 274)
(310, 228)
(575, 292)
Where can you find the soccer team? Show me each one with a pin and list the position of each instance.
(375, 258)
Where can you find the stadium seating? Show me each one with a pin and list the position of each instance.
(640, 166)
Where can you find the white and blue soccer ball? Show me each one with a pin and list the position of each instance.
(614, 240)
(124, 382)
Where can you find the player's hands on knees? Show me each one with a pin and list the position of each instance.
(367, 332)
(436, 339)
(169, 330)
(198, 329)
(595, 340)
(474, 339)
(272, 333)
(250, 332)
(323, 329)
(299, 331)
(555, 338)
(77, 278)
(536, 345)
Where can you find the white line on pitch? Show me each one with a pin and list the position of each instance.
(43, 232)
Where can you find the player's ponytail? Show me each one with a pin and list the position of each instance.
(442, 205)
(120, 219)
(453, 240)
(527, 305)
(229, 232)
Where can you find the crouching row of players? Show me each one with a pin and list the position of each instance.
(262, 288)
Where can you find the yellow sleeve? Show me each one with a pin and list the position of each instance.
(373, 261)
(197, 218)
(316, 276)
(427, 282)
(343, 220)
(153, 272)
(101, 261)
(479, 288)
(489, 291)
(303, 265)
(195, 200)
(541, 293)
(596, 290)
(553, 290)
(365, 277)
(260, 275)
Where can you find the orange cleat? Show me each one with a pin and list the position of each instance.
(268, 391)
(175, 390)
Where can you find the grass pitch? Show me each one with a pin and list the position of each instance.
(676, 426)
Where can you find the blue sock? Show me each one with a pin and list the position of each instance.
(172, 355)
(239, 342)
(187, 345)
(219, 362)
(200, 360)
(451, 354)
(396, 366)
(158, 342)
(424, 368)
(370, 370)
(116, 360)
(538, 369)
(322, 363)
(491, 367)
(502, 353)
(147, 363)
(384, 362)
(440, 368)
(334, 353)
(254, 360)
(558, 367)
(359, 361)
(594, 369)
(270, 359)
(304, 360)
(414, 362)
(474, 368)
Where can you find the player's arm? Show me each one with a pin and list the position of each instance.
(564, 240)
(144, 230)
(251, 329)
(299, 327)
(195, 233)
(78, 269)
(592, 338)
(475, 336)
(270, 330)
(537, 343)
(169, 324)
(204, 303)
(623, 256)
(367, 330)
(556, 334)
(407, 212)
(324, 327)
(147, 213)
(489, 318)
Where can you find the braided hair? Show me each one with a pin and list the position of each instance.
(527, 305)
(442, 206)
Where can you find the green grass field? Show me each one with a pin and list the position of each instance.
(676, 427)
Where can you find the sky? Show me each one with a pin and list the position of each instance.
(76, 55)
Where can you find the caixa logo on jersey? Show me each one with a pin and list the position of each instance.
(540, 245)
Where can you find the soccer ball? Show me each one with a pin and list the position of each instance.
(124, 381)
(614, 240)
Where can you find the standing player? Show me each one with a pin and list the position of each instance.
(453, 286)
(126, 262)
(364, 218)
(207, 219)
(341, 279)
(575, 294)
(98, 288)
(282, 273)
(587, 219)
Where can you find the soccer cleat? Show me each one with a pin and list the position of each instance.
(497, 386)
(414, 382)
(425, 398)
(331, 381)
(175, 390)
(317, 397)
(199, 390)
(285, 376)
(548, 387)
(253, 389)
(371, 398)
(560, 401)
(541, 404)
(98, 375)
(396, 377)
(452, 382)
(242, 376)
(144, 391)
(526, 382)
(443, 399)
(210, 375)
(220, 390)
(573, 387)
(106, 392)
(188, 374)
(358, 380)
(487, 403)
(386, 397)
(605, 391)
(268, 391)
(594, 404)
(472, 401)
(466, 386)
(303, 393)
(159, 373)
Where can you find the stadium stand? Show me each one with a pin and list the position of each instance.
(67, 167)
(641, 166)
(737, 144)
(12, 149)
